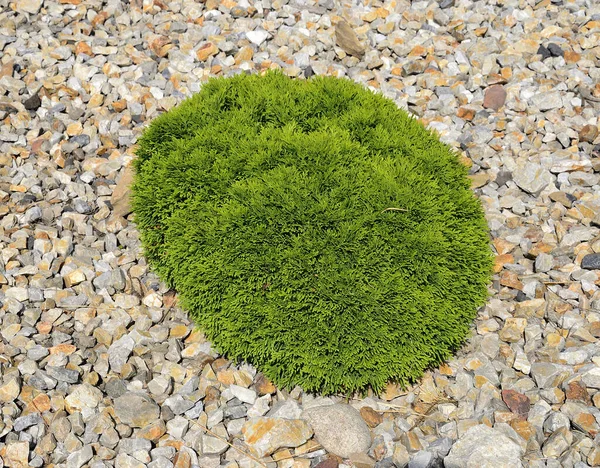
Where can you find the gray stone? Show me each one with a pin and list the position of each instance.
(555, 421)
(24, 422)
(62, 374)
(548, 375)
(557, 443)
(287, 409)
(246, 395)
(213, 446)
(136, 409)
(162, 462)
(119, 352)
(532, 177)
(130, 445)
(80, 457)
(547, 101)
(422, 459)
(482, 446)
(339, 428)
(179, 404)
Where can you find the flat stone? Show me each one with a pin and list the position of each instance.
(136, 409)
(339, 428)
(179, 404)
(484, 447)
(63, 374)
(361, 460)
(371, 417)
(422, 459)
(264, 386)
(132, 445)
(213, 445)
(127, 461)
(287, 409)
(265, 435)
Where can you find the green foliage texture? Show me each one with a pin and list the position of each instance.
(313, 229)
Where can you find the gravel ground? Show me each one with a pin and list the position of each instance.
(98, 366)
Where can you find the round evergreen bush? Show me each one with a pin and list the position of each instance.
(313, 229)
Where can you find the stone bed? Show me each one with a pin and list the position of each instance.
(98, 365)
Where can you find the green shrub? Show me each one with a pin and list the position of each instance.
(313, 229)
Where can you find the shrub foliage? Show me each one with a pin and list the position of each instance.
(313, 229)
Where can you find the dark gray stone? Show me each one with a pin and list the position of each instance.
(544, 52)
(591, 262)
(555, 50)
(33, 103)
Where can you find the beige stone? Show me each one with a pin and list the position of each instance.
(265, 435)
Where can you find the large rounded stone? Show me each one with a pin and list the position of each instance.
(339, 429)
